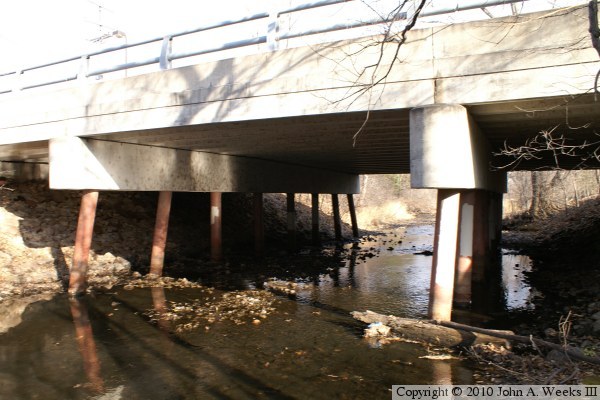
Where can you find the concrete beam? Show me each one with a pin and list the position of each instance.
(78, 163)
(448, 151)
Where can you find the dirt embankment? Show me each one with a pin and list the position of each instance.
(566, 269)
(37, 231)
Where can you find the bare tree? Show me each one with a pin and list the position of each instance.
(391, 41)
(550, 143)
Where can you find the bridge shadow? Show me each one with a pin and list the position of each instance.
(45, 220)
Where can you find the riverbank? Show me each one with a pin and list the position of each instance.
(566, 268)
(565, 271)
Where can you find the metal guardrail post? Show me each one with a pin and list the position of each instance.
(273, 29)
(84, 65)
(165, 52)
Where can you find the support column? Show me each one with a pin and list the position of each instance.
(259, 230)
(353, 215)
(462, 288)
(444, 255)
(337, 222)
(481, 236)
(161, 227)
(291, 221)
(316, 236)
(495, 220)
(216, 245)
(83, 243)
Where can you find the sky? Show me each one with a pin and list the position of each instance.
(32, 30)
(35, 31)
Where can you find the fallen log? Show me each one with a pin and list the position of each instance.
(452, 334)
(428, 332)
(571, 352)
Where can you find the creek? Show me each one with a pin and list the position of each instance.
(122, 343)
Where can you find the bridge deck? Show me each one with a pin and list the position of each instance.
(517, 76)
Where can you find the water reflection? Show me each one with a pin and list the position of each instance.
(442, 373)
(518, 294)
(159, 301)
(86, 344)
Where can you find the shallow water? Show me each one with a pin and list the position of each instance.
(106, 347)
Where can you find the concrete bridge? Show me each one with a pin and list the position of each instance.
(308, 119)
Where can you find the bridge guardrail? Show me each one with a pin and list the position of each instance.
(78, 67)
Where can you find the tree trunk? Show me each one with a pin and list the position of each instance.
(536, 195)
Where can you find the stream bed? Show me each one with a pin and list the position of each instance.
(238, 341)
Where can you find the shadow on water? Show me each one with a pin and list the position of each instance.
(107, 345)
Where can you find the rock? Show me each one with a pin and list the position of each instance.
(596, 326)
(596, 316)
(550, 333)
(377, 329)
(557, 357)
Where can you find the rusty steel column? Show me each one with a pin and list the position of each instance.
(481, 236)
(316, 236)
(291, 221)
(352, 210)
(337, 222)
(83, 243)
(495, 220)
(259, 229)
(444, 255)
(161, 227)
(462, 286)
(216, 244)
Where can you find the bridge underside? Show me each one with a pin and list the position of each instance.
(336, 142)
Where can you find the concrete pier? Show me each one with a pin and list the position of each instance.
(450, 153)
